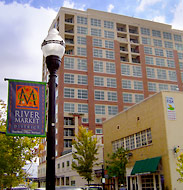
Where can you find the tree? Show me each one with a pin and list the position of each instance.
(179, 164)
(14, 153)
(85, 155)
(116, 166)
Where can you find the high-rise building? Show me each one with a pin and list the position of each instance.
(111, 62)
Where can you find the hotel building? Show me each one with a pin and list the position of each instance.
(111, 62)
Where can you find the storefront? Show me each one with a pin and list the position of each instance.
(146, 174)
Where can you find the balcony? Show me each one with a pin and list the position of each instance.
(121, 27)
(69, 29)
(69, 41)
(123, 48)
(133, 29)
(69, 18)
(136, 59)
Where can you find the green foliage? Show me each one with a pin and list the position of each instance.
(116, 165)
(14, 153)
(85, 154)
(180, 165)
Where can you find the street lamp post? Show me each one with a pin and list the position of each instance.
(53, 48)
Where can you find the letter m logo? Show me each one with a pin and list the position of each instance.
(27, 97)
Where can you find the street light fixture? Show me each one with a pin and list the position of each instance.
(53, 48)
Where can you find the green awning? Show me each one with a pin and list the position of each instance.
(149, 165)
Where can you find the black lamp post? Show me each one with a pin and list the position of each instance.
(53, 48)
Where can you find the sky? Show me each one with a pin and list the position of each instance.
(24, 25)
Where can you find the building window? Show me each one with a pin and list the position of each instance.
(96, 32)
(82, 108)
(81, 40)
(100, 109)
(98, 131)
(152, 87)
(69, 132)
(98, 81)
(167, 35)
(69, 107)
(168, 44)
(125, 69)
(177, 38)
(109, 54)
(111, 82)
(127, 98)
(69, 78)
(82, 94)
(163, 87)
(174, 88)
(69, 121)
(68, 163)
(144, 138)
(171, 63)
(159, 52)
(180, 56)
(161, 74)
(148, 50)
(98, 66)
(95, 22)
(112, 96)
(126, 84)
(172, 75)
(112, 110)
(97, 42)
(82, 30)
(145, 31)
(160, 62)
(68, 93)
(82, 64)
(81, 20)
(136, 140)
(99, 95)
(68, 63)
(67, 144)
(108, 24)
(108, 34)
(139, 97)
(81, 51)
(150, 72)
(156, 33)
(84, 120)
(149, 60)
(146, 41)
(82, 79)
(109, 44)
(181, 65)
(98, 120)
(97, 53)
(138, 85)
(179, 47)
(110, 68)
(137, 72)
(169, 53)
(62, 164)
(157, 43)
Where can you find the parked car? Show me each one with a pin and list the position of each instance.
(61, 188)
(93, 188)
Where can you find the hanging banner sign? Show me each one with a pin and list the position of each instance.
(170, 108)
(26, 108)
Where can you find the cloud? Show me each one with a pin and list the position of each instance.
(23, 28)
(160, 19)
(73, 5)
(145, 3)
(110, 7)
(177, 21)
